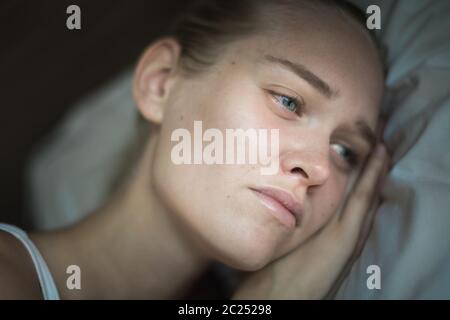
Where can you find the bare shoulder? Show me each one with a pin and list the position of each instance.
(18, 278)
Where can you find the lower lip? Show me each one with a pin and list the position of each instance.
(277, 210)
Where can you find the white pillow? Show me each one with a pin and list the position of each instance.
(77, 166)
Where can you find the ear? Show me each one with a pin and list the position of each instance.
(152, 78)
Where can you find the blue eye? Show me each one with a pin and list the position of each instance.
(347, 154)
(289, 103)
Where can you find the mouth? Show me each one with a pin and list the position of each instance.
(281, 205)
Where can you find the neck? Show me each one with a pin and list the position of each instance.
(129, 248)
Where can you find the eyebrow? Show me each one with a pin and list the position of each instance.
(366, 132)
(325, 89)
(307, 75)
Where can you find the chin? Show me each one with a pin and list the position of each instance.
(248, 253)
(244, 263)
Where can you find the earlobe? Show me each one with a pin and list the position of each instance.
(152, 78)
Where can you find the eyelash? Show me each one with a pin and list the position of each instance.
(299, 104)
(352, 159)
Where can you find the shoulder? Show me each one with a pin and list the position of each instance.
(18, 277)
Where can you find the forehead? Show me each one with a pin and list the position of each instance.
(337, 51)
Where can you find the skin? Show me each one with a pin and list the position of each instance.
(167, 222)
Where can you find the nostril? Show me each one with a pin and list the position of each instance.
(298, 170)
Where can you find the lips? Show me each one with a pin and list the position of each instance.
(281, 205)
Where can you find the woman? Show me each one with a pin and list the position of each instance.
(308, 69)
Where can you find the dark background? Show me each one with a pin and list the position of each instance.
(45, 68)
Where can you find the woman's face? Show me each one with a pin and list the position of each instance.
(320, 84)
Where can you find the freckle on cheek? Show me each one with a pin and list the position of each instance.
(332, 206)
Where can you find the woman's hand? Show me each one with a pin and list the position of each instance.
(314, 269)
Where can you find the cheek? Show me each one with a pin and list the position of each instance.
(212, 205)
(321, 206)
(327, 200)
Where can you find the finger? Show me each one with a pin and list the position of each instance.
(357, 250)
(364, 190)
(366, 228)
(380, 129)
(370, 217)
(377, 200)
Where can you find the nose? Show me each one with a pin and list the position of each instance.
(311, 167)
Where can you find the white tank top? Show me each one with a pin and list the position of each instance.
(46, 281)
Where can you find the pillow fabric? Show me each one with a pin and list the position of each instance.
(74, 170)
